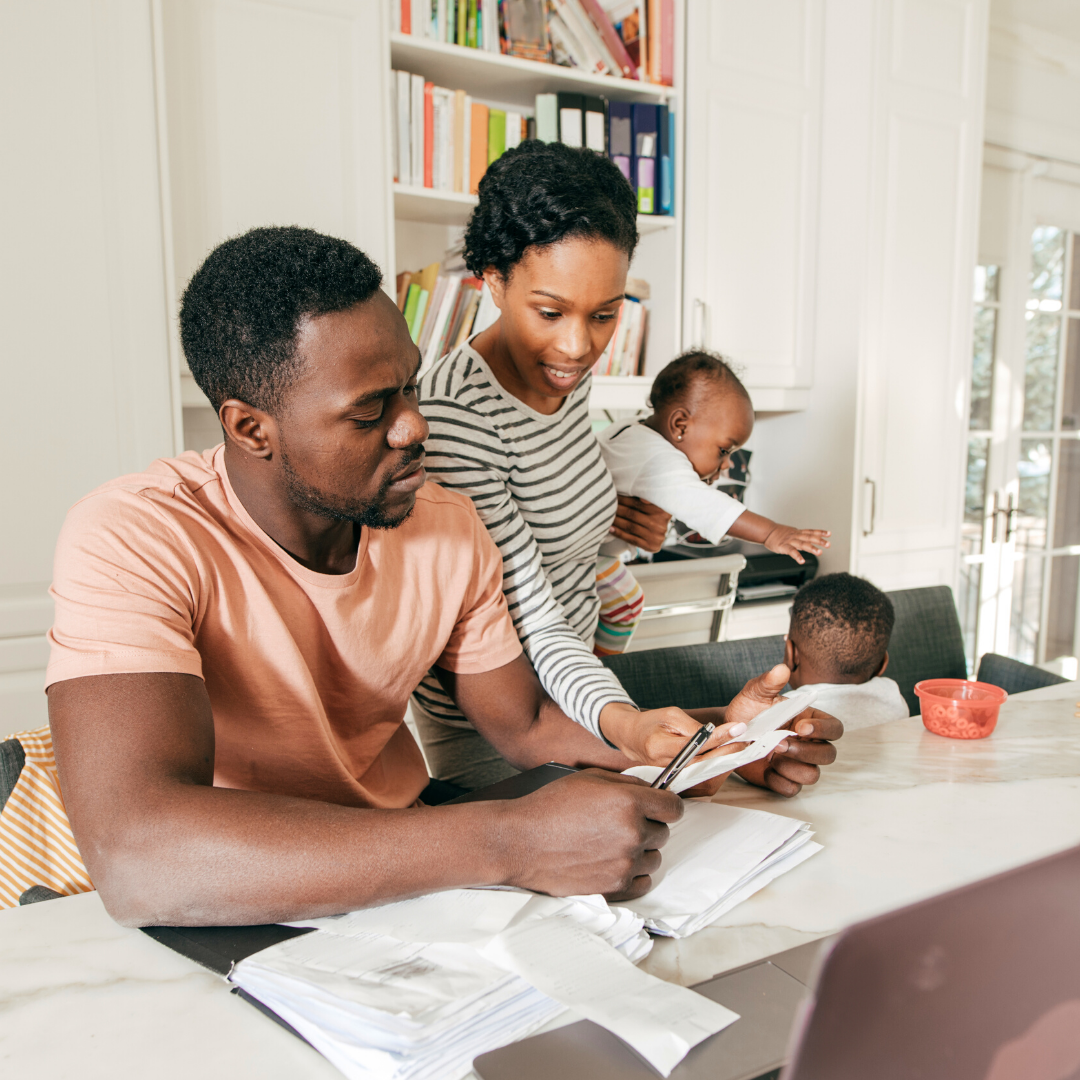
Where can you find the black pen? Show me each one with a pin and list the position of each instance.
(683, 757)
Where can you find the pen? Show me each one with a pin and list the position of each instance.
(695, 743)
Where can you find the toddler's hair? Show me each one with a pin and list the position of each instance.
(678, 379)
(842, 624)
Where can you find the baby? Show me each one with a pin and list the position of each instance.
(701, 413)
(838, 644)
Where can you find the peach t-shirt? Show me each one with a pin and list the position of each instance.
(308, 674)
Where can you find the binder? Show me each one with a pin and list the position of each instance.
(547, 117)
(646, 139)
(621, 139)
(666, 195)
(572, 119)
(595, 124)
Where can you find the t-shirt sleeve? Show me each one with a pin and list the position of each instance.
(668, 479)
(484, 637)
(125, 588)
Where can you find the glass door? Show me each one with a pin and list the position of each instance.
(1020, 541)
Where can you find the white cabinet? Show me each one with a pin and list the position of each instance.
(87, 388)
(925, 169)
(753, 115)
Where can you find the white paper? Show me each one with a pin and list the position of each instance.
(660, 1020)
(775, 716)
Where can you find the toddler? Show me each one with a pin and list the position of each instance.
(701, 413)
(838, 644)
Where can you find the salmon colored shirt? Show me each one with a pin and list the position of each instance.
(308, 674)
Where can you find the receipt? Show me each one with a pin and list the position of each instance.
(562, 959)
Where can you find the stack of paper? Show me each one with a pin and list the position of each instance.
(419, 988)
(716, 857)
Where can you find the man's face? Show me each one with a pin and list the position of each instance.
(350, 430)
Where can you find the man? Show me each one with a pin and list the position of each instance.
(237, 634)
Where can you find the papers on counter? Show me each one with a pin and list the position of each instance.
(716, 857)
(763, 737)
(419, 988)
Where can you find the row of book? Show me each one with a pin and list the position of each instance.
(625, 354)
(631, 39)
(445, 141)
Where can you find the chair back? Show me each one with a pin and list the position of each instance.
(927, 642)
(1013, 676)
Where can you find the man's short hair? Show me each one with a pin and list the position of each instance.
(843, 624)
(242, 311)
(677, 382)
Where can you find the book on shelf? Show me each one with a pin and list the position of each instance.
(629, 39)
(625, 353)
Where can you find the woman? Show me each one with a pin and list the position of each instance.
(552, 236)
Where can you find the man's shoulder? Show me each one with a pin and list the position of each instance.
(434, 503)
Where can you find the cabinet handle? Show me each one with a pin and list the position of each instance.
(873, 505)
(700, 329)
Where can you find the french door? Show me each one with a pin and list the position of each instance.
(1020, 540)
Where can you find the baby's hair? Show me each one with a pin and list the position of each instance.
(843, 624)
(678, 380)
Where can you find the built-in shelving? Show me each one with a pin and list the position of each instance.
(509, 79)
(438, 207)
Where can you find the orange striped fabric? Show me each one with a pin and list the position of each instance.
(36, 843)
(621, 602)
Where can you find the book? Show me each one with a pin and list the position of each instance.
(403, 102)
(655, 32)
(460, 155)
(478, 135)
(595, 124)
(429, 135)
(525, 28)
(416, 131)
(621, 138)
(404, 18)
(443, 140)
(624, 66)
(547, 117)
(644, 117)
(496, 134)
(571, 119)
(466, 144)
(412, 298)
(667, 42)
(513, 129)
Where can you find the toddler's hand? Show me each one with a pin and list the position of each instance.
(787, 540)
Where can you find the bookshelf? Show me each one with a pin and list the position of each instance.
(427, 221)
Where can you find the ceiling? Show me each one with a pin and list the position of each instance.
(1060, 17)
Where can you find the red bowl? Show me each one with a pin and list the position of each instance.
(959, 708)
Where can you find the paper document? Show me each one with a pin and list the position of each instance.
(716, 857)
(762, 734)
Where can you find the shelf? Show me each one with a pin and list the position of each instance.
(619, 392)
(509, 80)
(453, 208)
(191, 397)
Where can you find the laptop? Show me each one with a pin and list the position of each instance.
(982, 983)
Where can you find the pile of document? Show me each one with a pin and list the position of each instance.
(419, 988)
(716, 857)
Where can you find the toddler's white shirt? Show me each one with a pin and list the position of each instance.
(643, 463)
(860, 705)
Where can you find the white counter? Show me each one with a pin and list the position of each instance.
(903, 814)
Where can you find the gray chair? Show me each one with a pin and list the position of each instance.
(1014, 676)
(926, 644)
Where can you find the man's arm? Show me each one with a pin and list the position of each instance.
(163, 846)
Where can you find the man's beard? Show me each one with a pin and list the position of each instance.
(369, 514)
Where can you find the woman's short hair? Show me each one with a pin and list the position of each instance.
(539, 193)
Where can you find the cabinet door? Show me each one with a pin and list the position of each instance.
(752, 144)
(930, 62)
(87, 392)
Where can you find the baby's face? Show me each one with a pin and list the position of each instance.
(719, 424)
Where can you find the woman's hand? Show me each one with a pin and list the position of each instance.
(787, 540)
(639, 522)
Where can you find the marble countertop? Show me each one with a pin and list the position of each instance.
(903, 814)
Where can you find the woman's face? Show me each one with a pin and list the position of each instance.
(558, 312)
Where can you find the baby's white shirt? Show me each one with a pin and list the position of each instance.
(643, 463)
(860, 705)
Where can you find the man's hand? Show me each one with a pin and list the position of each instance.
(796, 762)
(655, 736)
(639, 522)
(591, 832)
(786, 540)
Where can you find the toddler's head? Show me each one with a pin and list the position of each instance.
(701, 407)
(839, 632)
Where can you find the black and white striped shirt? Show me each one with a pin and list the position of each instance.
(541, 487)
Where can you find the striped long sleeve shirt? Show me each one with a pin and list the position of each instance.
(541, 487)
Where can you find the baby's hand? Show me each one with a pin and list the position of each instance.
(787, 540)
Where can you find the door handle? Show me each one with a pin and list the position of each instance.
(873, 504)
(699, 329)
(994, 518)
(1011, 515)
